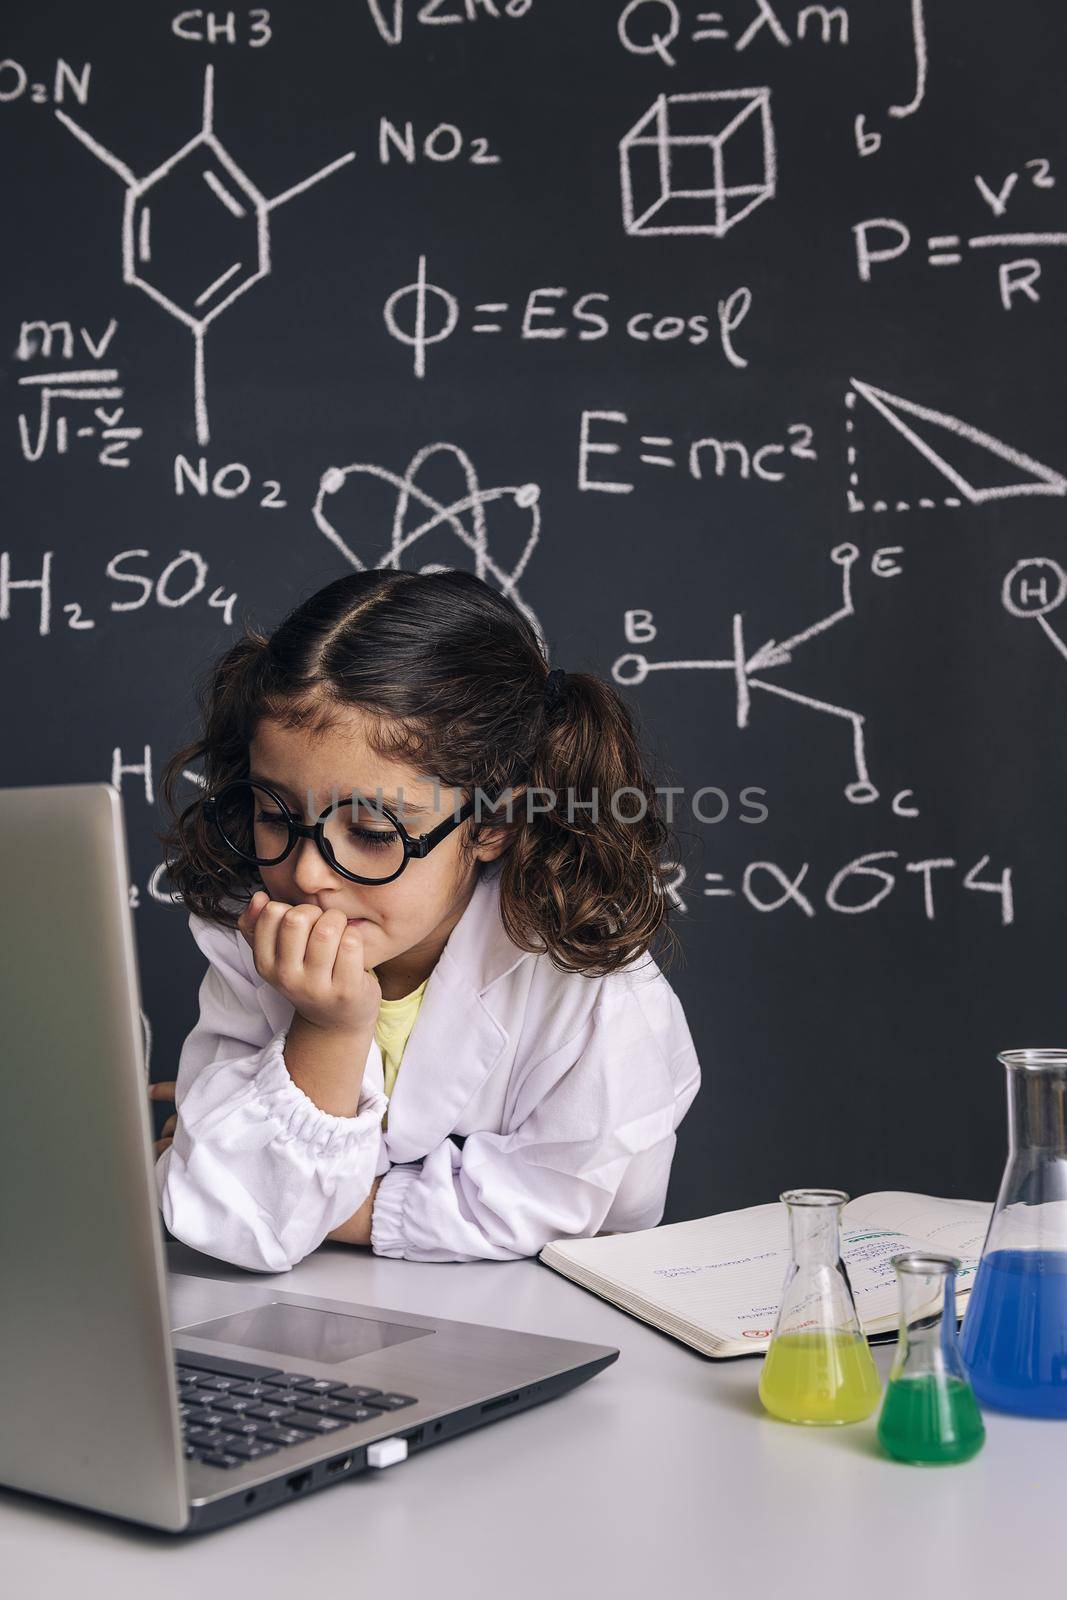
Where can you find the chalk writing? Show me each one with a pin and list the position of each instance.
(417, 514)
(204, 182)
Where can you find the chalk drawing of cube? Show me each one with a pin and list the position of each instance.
(698, 163)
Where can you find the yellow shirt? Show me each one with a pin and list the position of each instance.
(396, 1018)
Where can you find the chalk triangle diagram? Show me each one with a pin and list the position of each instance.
(956, 438)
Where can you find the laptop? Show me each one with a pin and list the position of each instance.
(179, 1401)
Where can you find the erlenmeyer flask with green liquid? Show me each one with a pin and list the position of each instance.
(929, 1415)
(818, 1368)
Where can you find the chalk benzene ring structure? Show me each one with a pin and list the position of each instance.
(136, 229)
(633, 669)
(526, 496)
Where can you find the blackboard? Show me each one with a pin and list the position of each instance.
(741, 331)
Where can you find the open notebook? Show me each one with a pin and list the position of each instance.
(715, 1282)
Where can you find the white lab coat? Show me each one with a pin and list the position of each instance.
(531, 1104)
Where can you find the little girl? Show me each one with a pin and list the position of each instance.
(414, 843)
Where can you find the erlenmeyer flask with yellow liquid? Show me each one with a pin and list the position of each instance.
(818, 1368)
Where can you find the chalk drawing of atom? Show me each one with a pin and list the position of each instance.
(419, 516)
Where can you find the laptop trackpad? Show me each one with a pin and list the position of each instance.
(305, 1332)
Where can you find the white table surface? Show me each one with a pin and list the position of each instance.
(661, 1476)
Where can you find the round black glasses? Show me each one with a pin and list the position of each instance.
(359, 838)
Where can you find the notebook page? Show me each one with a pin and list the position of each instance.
(952, 1227)
(724, 1274)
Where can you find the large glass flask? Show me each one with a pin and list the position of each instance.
(818, 1367)
(1014, 1340)
(929, 1414)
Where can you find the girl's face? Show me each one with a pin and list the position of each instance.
(407, 921)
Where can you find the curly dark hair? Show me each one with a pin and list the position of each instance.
(450, 675)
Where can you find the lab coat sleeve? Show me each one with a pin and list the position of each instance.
(257, 1174)
(589, 1148)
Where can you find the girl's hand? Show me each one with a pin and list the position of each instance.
(315, 960)
(164, 1091)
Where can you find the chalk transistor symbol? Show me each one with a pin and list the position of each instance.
(634, 668)
(201, 202)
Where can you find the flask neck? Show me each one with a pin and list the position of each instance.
(926, 1341)
(1031, 1208)
(1037, 1111)
(815, 1234)
(817, 1297)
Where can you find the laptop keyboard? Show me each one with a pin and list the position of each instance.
(235, 1411)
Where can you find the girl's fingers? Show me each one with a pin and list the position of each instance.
(246, 922)
(324, 940)
(259, 930)
(268, 944)
(161, 1091)
(169, 1126)
(349, 953)
(292, 931)
(160, 1145)
(252, 923)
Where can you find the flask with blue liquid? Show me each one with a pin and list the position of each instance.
(1014, 1340)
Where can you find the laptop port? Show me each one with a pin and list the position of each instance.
(504, 1400)
(341, 1464)
(298, 1481)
